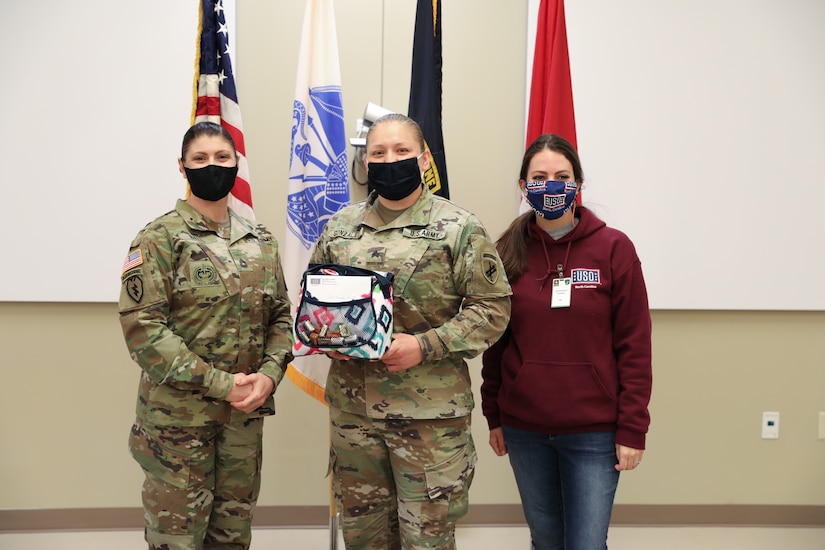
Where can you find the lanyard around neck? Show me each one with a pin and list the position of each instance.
(559, 267)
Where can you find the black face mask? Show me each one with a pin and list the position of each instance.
(394, 180)
(212, 182)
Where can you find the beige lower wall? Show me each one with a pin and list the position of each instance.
(92, 519)
(68, 389)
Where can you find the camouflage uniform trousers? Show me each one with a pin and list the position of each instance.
(202, 483)
(400, 484)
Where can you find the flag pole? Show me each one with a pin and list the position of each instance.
(318, 183)
(333, 518)
(333, 507)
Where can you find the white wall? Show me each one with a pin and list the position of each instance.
(699, 126)
(95, 99)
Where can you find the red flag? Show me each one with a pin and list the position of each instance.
(216, 99)
(551, 93)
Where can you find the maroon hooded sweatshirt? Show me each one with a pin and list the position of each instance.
(583, 368)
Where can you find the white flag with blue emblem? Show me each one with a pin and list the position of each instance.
(318, 169)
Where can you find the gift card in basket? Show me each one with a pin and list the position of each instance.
(334, 288)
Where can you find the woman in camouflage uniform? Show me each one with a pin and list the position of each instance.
(402, 454)
(205, 313)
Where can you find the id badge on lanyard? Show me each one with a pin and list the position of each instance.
(560, 296)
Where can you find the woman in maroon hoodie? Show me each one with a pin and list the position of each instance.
(566, 389)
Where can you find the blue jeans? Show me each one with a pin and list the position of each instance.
(567, 484)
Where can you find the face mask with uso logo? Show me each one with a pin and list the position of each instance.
(551, 199)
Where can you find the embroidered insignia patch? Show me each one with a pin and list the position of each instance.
(489, 266)
(424, 234)
(376, 255)
(134, 259)
(204, 275)
(134, 288)
(345, 234)
(583, 276)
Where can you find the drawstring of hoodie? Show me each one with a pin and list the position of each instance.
(559, 267)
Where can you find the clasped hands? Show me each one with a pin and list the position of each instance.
(250, 391)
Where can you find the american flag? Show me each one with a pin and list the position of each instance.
(216, 99)
(132, 260)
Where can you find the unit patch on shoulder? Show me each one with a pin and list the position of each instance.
(489, 266)
(133, 285)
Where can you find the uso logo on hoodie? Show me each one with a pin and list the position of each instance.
(586, 278)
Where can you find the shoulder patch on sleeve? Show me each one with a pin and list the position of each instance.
(133, 286)
(488, 277)
(489, 267)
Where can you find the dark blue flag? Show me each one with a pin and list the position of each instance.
(425, 91)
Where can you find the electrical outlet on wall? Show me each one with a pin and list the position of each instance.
(770, 425)
(822, 425)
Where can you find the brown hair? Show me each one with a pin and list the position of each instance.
(411, 125)
(513, 243)
(205, 128)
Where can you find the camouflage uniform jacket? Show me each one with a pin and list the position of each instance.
(449, 290)
(199, 303)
